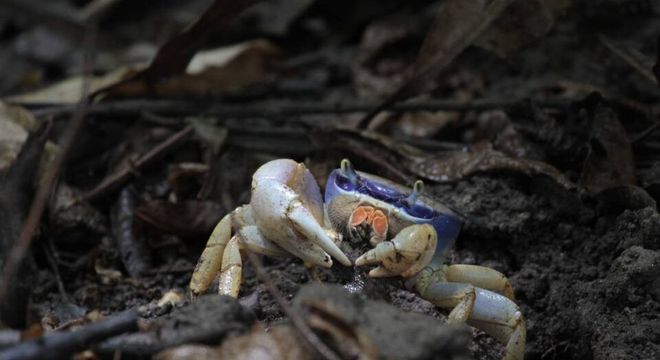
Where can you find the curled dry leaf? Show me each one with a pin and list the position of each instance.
(404, 162)
(610, 162)
(279, 343)
(500, 25)
(15, 123)
(381, 66)
(68, 216)
(213, 72)
(187, 219)
(68, 91)
(135, 254)
(524, 22)
(188, 352)
(174, 56)
(348, 339)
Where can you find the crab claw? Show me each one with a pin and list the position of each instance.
(288, 209)
(325, 238)
(405, 255)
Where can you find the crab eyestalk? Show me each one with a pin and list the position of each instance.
(417, 191)
(348, 171)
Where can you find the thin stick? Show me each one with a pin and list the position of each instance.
(282, 110)
(117, 179)
(63, 344)
(295, 318)
(51, 173)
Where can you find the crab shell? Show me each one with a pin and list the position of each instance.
(342, 196)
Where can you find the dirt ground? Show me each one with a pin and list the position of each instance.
(583, 258)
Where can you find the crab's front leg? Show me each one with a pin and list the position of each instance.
(491, 311)
(478, 295)
(406, 254)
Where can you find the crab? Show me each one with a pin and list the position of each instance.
(409, 231)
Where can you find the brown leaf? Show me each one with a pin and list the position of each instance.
(524, 22)
(212, 72)
(280, 343)
(187, 219)
(610, 162)
(403, 163)
(174, 56)
(456, 26)
(349, 340)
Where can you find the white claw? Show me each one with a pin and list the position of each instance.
(406, 254)
(307, 224)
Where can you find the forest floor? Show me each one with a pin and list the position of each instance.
(548, 151)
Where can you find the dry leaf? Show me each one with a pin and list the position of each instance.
(523, 22)
(610, 162)
(349, 340)
(69, 91)
(187, 219)
(188, 352)
(174, 56)
(15, 123)
(280, 343)
(213, 72)
(404, 163)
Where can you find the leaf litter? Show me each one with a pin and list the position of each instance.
(558, 198)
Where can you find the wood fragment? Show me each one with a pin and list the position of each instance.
(119, 178)
(62, 345)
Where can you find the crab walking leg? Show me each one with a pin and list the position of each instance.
(491, 312)
(232, 269)
(309, 226)
(482, 277)
(210, 261)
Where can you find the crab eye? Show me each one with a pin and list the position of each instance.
(348, 172)
(418, 189)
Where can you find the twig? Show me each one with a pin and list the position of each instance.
(119, 178)
(49, 250)
(295, 318)
(64, 344)
(279, 109)
(51, 173)
(134, 253)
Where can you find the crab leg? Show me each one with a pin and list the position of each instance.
(482, 277)
(210, 262)
(491, 312)
(232, 269)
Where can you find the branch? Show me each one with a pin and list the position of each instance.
(64, 344)
(278, 109)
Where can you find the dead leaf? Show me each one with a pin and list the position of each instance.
(632, 57)
(381, 65)
(68, 91)
(188, 352)
(349, 340)
(404, 163)
(281, 342)
(174, 56)
(524, 22)
(213, 72)
(15, 123)
(459, 24)
(187, 219)
(456, 26)
(610, 162)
